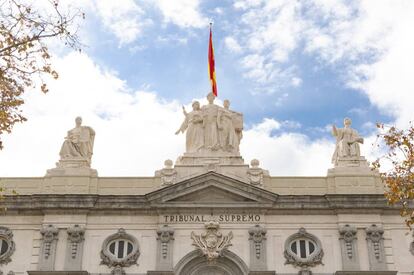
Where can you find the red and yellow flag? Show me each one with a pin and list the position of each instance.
(211, 69)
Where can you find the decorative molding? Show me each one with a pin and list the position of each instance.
(48, 249)
(111, 261)
(74, 247)
(255, 174)
(229, 261)
(412, 245)
(348, 237)
(376, 248)
(212, 243)
(165, 237)
(257, 238)
(6, 236)
(313, 259)
(168, 174)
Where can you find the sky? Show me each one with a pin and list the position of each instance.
(293, 68)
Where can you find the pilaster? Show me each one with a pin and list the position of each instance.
(376, 249)
(48, 248)
(74, 248)
(165, 240)
(349, 250)
(257, 239)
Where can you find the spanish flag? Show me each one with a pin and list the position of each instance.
(211, 69)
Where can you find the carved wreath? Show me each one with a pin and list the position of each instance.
(313, 258)
(6, 236)
(110, 260)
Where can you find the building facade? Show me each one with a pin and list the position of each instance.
(207, 213)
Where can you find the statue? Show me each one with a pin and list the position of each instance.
(210, 113)
(229, 140)
(78, 142)
(193, 123)
(347, 142)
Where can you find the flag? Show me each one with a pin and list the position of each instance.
(211, 69)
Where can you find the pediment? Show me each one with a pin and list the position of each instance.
(211, 189)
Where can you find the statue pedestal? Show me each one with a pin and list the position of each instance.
(191, 164)
(72, 167)
(351, 166)
(71, 176)
(352, 175)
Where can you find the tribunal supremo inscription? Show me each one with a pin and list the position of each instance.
(184, 218)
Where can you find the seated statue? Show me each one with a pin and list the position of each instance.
(78, 142)
(347, 142)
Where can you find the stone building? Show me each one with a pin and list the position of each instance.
(207, 213)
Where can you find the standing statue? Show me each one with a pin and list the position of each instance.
(347, 142)
(78, 142)
(210, 113)
(193, 123)
(212, 128)
(229, 140)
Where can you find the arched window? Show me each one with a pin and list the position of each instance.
(120, 250)
(303, 249)
(7, 245)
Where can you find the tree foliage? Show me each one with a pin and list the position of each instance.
(398, 163)
(24, 54)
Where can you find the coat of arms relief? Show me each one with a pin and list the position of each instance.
(212, 242)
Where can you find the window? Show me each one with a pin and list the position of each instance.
(6, 245)
(120, 250)
(303, 249)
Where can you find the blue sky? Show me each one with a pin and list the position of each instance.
(292, 67)
(173, 61)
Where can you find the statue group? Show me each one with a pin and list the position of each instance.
(209, 128)
(212, 128)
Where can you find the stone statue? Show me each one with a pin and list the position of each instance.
(193, 124)
(78, 143)
(347, 142)
(229, 140)
(210, 113)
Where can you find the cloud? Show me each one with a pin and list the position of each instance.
(183, 13)
(363, 40)
(124, 18)
(287, 153)
(232, 44)
(134, 129)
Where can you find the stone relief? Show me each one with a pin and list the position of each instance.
(76, 235)
(50, 235)
(128, 259)
(255, 174)
(374, 234)
(78, 144)
(312, 259)
(347, 142)
(7, 245)
(165, 235)
(257, 235)
(412, 246)
(212, 242)
(348, 234)
(212, 128)
(168, 174)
